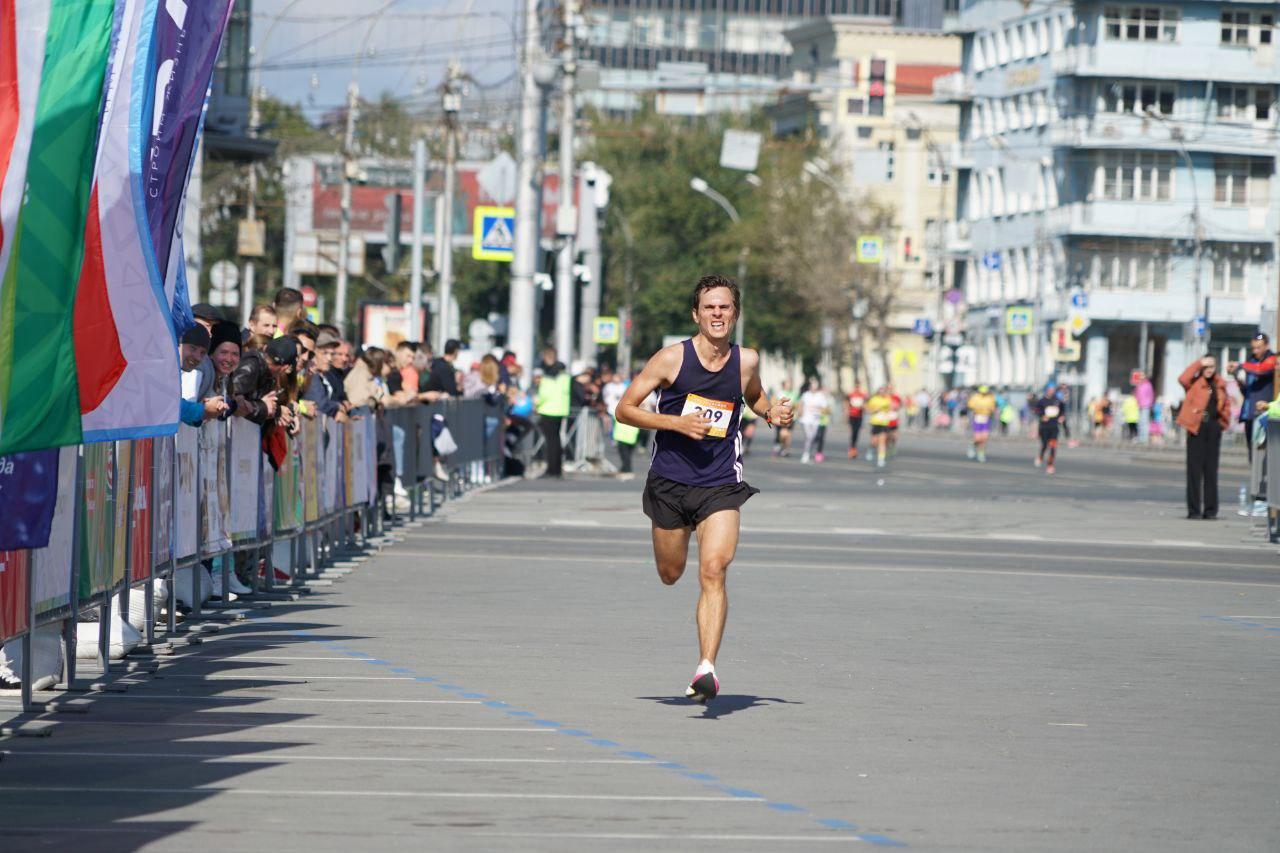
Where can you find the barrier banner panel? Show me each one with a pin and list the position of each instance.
(358, 475)
(120, 538)
(266, 498)
(13, 592)
(28, 490)
(311, 458)
(329, 470)
(162, 502)
(246, 474)
(97, 533)
(51, 567)
(288, 487)
(371, 463)
(186, 499)
(214, 532)
(344, 463)
(140, 529)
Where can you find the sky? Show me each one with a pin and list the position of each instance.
(307, 49)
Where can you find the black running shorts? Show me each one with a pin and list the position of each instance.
(673, 505)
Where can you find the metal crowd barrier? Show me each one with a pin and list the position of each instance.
(131, 512)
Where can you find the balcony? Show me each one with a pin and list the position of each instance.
(1129, 131)
(1157, 220)
(953, 88)
(957, 237)
(1167, 61)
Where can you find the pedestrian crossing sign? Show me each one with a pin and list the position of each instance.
(606, 330)
(493, 234)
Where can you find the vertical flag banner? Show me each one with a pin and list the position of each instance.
(51, 566)
(140, 531)
(97, 522)
(28, 491)
(161, 67)
(120, 523)
(47, 179)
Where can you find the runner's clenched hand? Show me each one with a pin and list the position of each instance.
(694, 425)
(781, 413)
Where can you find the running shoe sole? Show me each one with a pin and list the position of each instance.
(704, 688)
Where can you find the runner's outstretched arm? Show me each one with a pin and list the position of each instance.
(658, 372)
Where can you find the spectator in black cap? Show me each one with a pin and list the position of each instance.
(443, 378)
(206, 315)
(325, 391)
(193, 407)
(256, 379)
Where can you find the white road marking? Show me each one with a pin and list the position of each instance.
(857, 531)
(529, 730)
(222, 698)
(831, 838)
(410, 795)
(1070, 725)
(574, 522)
(161, 675)
(274, 757)
(1016, 537)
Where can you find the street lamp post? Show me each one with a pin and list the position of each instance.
(698, 185)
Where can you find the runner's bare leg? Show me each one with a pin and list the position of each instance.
(670, 551)
(717, 543)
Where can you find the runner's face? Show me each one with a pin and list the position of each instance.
(715, 314)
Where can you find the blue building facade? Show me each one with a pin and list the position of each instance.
(1116, 161)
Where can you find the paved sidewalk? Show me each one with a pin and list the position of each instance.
(942, 655)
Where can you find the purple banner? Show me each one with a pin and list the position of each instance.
(185, 43)
(28, 492)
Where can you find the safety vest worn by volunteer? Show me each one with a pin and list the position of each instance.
(552, 398)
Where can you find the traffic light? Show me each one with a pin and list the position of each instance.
(391, 251)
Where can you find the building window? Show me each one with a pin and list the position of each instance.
(1239, 181)
(1229, 273)
(886, 150)
(1120, 265)
(1141, 97)
(937, 173)
(913, 133)
(1242, 28)
(1134, 176)
(1244, 103)
(855, 106)
(1142, 23)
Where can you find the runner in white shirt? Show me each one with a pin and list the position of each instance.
(814, 402)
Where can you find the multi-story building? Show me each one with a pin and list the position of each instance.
(708, 56)
(867, 87)
(1118, 158)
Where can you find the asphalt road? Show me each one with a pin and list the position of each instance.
(941, 655)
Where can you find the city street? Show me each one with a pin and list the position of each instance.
(940, 654)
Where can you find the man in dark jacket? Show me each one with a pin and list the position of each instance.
(257, 377)
(443, 378)
(1256, 376)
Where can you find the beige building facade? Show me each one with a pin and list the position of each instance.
(867, 87)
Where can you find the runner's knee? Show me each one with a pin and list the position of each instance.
(670, 570)
(712, 569)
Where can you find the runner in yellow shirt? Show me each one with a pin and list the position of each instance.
(880, 406)
(982, 410)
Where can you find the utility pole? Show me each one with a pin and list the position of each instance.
(415, 259)
(251, 214)
(444, 250)
(344, 222)
(521, 323)
(566, 215)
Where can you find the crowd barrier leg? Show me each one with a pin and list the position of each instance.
(171, 618)
(104, 636)
(149, 604)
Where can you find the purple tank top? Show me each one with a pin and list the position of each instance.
(717, 459)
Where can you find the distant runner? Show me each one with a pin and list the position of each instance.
(695, 480)
(982, 410)
(880, 407)
(857, 401)
(1050, 412)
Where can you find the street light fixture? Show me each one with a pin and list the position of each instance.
(698, 185)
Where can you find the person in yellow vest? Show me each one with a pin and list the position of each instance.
(551, 402)
(982, 410)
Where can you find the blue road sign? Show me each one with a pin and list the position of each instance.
(1079, 299)
(922, 326)
(991, 260)
(1201, 326)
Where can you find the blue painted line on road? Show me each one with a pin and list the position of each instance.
(604, 743)
(1244, 623)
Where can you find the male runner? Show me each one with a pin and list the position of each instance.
(695, 480)
(880, 406)
(1050, 411)
(982, 409)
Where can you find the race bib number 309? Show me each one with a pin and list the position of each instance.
(715, 412)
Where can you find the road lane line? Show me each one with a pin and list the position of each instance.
(254, 724)
(167, 697)
(410, 795)
(274, 757)
(831, 838)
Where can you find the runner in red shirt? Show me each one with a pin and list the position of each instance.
(857, 400)
(895, 410)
